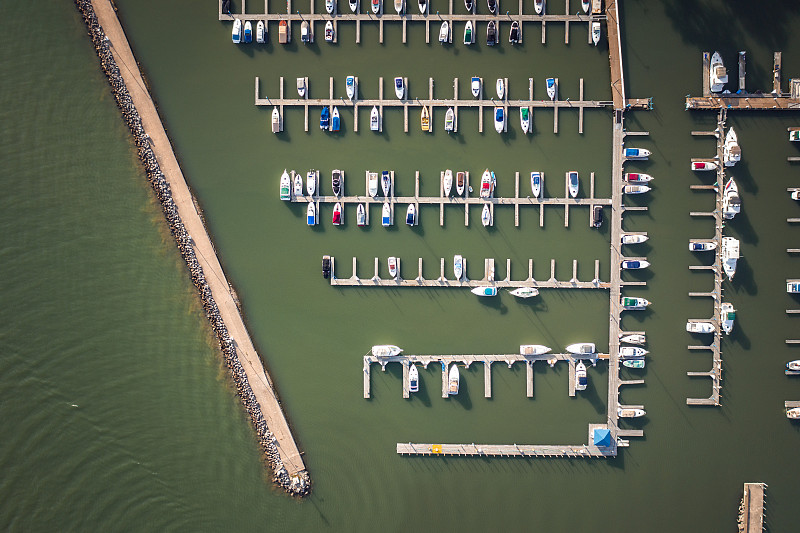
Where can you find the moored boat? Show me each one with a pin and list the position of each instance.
(468, 4)
(458, 267)
(475, 85)
(513, 33)
(794, 135)
(298, 185)
(335, 120)
(261, 34)
(632, 351)
(636, 153)
(398, 6)
(488, 182)
(730, 256)
(631, 238)
(311, 182)
(595, 32)
(486, 215)
(337, 182)
(444, 33)
(386, 183)
(793, 413)
(499, 119)
(376, 6)
(361, 215)
(533, 349)
(301, 87)
(538, 5)
(337, 214)
(732, 152)
(795, 195)
(460, 182)
(325, 118)
(525, 119)
(573, 183)
(633, 363)
(423, 6)
(581, 380)
(702, 246)
(704, 165)
(372, 184)
(283, 32)
(794, 366)
(248, 32)
(350, 87)
(453, 380)
(635, 189)
(731, 202)
(329, 31)
(236, 33)
(276, 120)
(525, 292)
(585, 5)
(792, 287)
(286, 186)
(634, 177)
(469, 33)
(536, 183)
(449, 120)
(394, 267)
(386, 350)
(386, 215)
(500, 88)
(354, 6)
(305, 32)
(326, 266)
(484, 291)
(374, 119)
(413, 376)
(447, 182)
(631, 303)
(633, 338)
(582, 348)
(411, 215)
(330, 5)
(727, 317)
(630, 413)
(425, 119)
(311, 214)
(399, 88)
(552, 88)
(629, 264)
(492, 4)
(700, 326)
(718, 75)
(491, 33)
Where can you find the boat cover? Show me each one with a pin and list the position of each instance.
(602, 437)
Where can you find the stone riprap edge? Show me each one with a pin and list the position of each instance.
(297, 485)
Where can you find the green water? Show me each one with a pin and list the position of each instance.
(118, 415)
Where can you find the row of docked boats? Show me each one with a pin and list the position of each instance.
(727, 316)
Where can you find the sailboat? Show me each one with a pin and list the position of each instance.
(486, 215)
(386, 215)
(236, 33)
(286, 186)
(500, 87)
(337, 214)
(276, 120)
(730, 255)
(449, 120)
(386, 183)
(732, 153)
(425, 119)
(413, 376)
(581, 381)
(447, 182)
(536, 183)
(361, 215)
(469, 33)
(311, 214)
(524, 119)
(574, 184)
(718, 76)
(460, 181)
(731, 202)
(335, 120)
(525, 292)
(374, 119)
(453, 380)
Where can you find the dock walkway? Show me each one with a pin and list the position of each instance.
(751, 509)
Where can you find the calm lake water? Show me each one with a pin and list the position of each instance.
(118, 414)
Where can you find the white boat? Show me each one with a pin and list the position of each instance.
(399, 88)
(484, 291)
(633, 304)
(488, 182)
(458, 267)
(311, 214)
(411, 215)
(260, 32)
(525, 119)
(536, 183)
(552, 88)
(301, 87)
(394, 267)
(792, 287)
(732, 152)
(469, 33)
(361, 215)
(572, 181)
(276, 120)
(628, 238)
(286, 186)
(581, 380)
(460, 182)
(704, 165)
(632, 351)
(330, 5)
(702, 246)
(635, 189)
(538, 5)
(637, 153)
(298, 185)
(533, 349)
(492, 5)
(718, 76)
(236, 33)
(500, 87)
(635, 177)
(453, 380)
(398, 6)
(582, 348)
(423, 6)
(386, 215)
(595, 32)
(499, 119)
(444, 33)
(447, 182)
(629, 264)
(730, 255)
(413, 378)
(354, 6)
(795, 195)
(305, 32)
(386, 350)
(633, 338)
(376, 6)
(525, 292)
(491, 33)
(793, 413)
(329, 32)
(372, 184)
(630, 413)
(486, 215)
(731, 202)
(374, 119)
(794, 366)
(311, 182)
(699, 326)
(337, 214)
(585, 5)
(350, 87)
(476, 86)
(727, 316)
(386, 183)
(449, 120)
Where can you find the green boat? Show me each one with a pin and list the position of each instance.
(468, 38)
(633, 363)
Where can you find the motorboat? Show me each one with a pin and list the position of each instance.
(354, 6)
(633, 338)
(536, 183)
(630, 303)
(411, 215)
(794, 135)
(486, 215)
(630, 238)
(305, 32)
(372, 184)
(311, 214)
(637, 153)
(525, 292)
(444, 33)
(386, 183)
(731, 202)
(525, 119)
(337, 214)
(488, 181)
(634, 177)
(635, 189)
(276, 120)
(513, 33)
(500, 87)
(597, 216)
(447, 182)
(484, 291)
(449, 120)
(248, 32)
(301, 87)
(386, 350)
(325, 118)
(634, 363)
(330, 5)
(413, 376)
(458, 267)
(793, 413)
(491, 33)
(261, 33)
(582, 348)
(732, 152)
(476, 86)
(792, 287)
(398, 6)
(374, 119)
(311, 182)
(468, 4)
(595, 32)
(453, 380)
(386, 215)
(795, 195)
(326, 266)
(283, 32)
(700, 326)
(574, 184)
(727, 316)
(730, 255)
(630, 413)
(794, 366)
(298, 185)
(423, 6)
(399, 88)
(286, 184)
(538, 5)
(704, 165)
(350, 87)
(499, 119)
(585, 5)
(581, 380)
(534, 349)
(361, 215)
(394, 267)
(460, 182)
(329, 32)
(335, 120)
(236, 33)
(718, 75)
(337, 182)
(492, 6)
(425, 119)
(376, 6)
(702, 246)
(469, 33)
(634, 265)
(632, 351)
(552, 88)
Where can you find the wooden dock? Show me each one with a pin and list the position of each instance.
(751, 509)
(613, 32)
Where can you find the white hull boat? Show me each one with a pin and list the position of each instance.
(354, 6)
(329, 32)
(301, 87)
(718, 75)
(394, 267)
(311, 214)
(305, 32)
(399, 88)
(585, 5)
(730, 256)
(276, 120)
(628, 238)
(595, 32)
(350, 87)
(699, 327)
(458, 267)
(469, 33)
(398, 6)
(633, 338)
(411, 215)
(635, 189)
(386, 350)
(533, 349)
(727, 317)
(552, 88)
(386, 215)
(704, 246)
(632, 351)
(636, 153)
(260, 32)
(486, 215)
(413, 379)
(731, 202)
(538, 5)
(484, 291)
(373, 184)
(286, 184)
(447, 182)
(500, 87)
(795, 195)
(634, 304)
(581, 381)
(732, 152)
(704, 165)
(374, 119)
(386, 183)
(536, 183)
(793, 413)
(633, 177)
(573, 183)
(337, 214)
(499, 119)
(453, 380)
(449, 120)
(582, 348)
(461, 180)
(525, 119)
(361, 215)
(634, 363)
(634, 265)
(311, 182)
(330, 5)
(525, 292)
(423, 6)
(298, 185)
(487, 184)
(376, 6)
(476, 86)
(794, 366)
(792, 287)
(630, 413)
(444, 33)
(236, 33)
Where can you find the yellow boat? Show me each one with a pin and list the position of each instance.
(425, 119)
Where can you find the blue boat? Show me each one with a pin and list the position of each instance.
(311, 214)
(335, 119)
(640, 153)
(325, 118)
(248, 32)
(386, 215)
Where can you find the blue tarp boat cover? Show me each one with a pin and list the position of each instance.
(602, 437)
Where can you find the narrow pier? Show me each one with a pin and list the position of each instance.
(751, 509)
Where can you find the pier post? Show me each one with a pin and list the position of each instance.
(380, 106)
(444, 380)
(516, 197)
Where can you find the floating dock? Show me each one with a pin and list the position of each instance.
(751, 509)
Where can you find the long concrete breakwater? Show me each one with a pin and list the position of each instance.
(253, 384)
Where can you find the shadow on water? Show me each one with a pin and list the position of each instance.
(738, 335)
(744, 228)
(744, 179)
(744, 277)
(422, 395)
